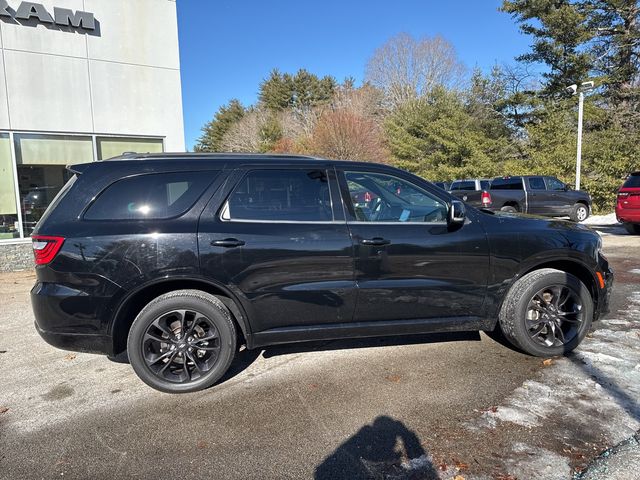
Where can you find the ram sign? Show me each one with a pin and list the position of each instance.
(62, 17)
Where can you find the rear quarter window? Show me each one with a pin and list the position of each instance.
(514, 183)
(464, 185)
(152, 196)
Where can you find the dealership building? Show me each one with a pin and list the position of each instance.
(80, 81)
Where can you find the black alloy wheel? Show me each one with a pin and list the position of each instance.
(182, 341)
(181, 346)
(554, 315)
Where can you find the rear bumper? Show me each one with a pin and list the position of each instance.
(77, 342)
(63, 318)
(628, 215)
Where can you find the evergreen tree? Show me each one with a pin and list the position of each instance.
(213, 132)
(560, 29)
(438, 138)
(616, 46)
(301, 91)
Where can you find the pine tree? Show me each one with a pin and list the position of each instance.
(560, 30)
(213, 132)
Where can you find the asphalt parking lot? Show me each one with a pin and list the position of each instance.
(434, 406)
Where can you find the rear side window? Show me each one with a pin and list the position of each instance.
(537, 183)
(514, 183)
(464, 185)
(154, 196)
(281, 196)
(632, 182)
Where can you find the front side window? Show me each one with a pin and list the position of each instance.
(537, 183)
(154, 196)
(379, 197)
(555, 184)
(292, 195)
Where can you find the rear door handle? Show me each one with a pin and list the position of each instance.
(227, 243)
(375, 242)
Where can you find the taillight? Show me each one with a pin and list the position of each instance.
(485, 199)
(45, 248)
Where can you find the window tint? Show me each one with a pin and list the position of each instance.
(153, 196)
(555, 184)
(537, 183)
(464, 185)
(384, 198)
(510, 183)
(632, 182)
(485, 184)
(281, 195)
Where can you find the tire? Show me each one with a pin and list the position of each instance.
(632, 228)
(520, 303)
(509, 209)
(579, 212)
(182, 341)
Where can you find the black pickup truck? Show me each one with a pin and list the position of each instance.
(537, 195)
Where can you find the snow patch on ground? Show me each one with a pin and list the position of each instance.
(533, 462)
(599, 384)
(609, 219)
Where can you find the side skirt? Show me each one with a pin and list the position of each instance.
(335, 331)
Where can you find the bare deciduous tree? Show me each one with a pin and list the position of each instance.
(343, 134)
(245, 135)
(406, 68)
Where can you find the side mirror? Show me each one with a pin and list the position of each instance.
(457, 213)
(568, 187)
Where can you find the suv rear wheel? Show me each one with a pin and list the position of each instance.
(547, 313)
(182, 341)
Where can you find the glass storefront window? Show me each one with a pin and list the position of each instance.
(109, 147)
(41, 161)
(9, 228)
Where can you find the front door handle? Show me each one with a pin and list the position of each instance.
(227, 243)
(375, 242)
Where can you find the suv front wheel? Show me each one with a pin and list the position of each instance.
(547, 313)
(182, 341)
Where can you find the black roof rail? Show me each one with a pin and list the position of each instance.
(211, 156)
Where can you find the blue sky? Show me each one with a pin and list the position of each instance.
(228, 46)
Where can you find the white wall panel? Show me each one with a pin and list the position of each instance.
(4, 113)
(129, 99)
(40, 38)
(47, 92)
(143, 32)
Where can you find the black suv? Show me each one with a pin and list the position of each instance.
(177, 259)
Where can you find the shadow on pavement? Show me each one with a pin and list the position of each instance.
(245, 358)
(626, 401)
(616, 229)
(384, 449)
(369, 342)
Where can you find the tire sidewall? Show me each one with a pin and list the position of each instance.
(529, 345)
(210, 307)
(576, 208)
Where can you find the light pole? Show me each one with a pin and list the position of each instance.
(580, 90)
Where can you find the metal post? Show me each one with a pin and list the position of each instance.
(579, 155)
